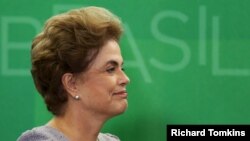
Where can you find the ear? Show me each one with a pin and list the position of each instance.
(69, 84)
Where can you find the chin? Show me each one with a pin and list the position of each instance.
(120, 108)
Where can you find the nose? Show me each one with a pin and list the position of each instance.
(124, 79)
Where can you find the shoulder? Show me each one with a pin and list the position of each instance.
(107, 137)
(42, 133)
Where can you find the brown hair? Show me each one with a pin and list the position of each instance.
(69, 42)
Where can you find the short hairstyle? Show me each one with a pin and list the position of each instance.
(69, 42)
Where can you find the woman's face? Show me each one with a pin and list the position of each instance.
(102, 89)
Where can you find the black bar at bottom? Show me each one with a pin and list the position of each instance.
(211, 132)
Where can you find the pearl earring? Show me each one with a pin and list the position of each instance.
(77, 97)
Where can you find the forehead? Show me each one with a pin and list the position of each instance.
(110, 51)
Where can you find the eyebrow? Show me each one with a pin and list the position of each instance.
(113, 62)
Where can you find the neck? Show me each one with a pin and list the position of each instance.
(78, 126)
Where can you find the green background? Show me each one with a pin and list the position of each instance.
(188, 62)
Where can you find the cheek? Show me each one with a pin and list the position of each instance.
(106, 85)
(102, 86)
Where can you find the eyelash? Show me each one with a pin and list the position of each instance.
(112, 69)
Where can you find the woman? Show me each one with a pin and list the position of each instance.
(77, 67)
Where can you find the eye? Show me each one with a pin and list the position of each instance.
(110, 70)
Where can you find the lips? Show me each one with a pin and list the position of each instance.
(122, 94)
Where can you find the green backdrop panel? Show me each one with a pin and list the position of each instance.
(188, 62)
